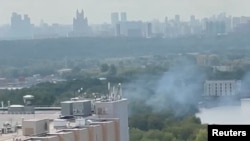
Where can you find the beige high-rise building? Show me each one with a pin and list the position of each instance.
(109, 122)
(115, 109)
(64, 136)
(80, 134)
(46, 138)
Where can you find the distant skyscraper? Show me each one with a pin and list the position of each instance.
(149, 30)
(114, 18)
(26, 21)
(166, 20)
(177, 18)
(244, 19)
(168, 28)
(192, 19)
(123, 17)
(236, 21)
(215, 27)
(20, 28)
(221, 17)
(118, 30)
(16, 21)
(80, 25)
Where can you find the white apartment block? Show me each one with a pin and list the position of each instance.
(222, 88)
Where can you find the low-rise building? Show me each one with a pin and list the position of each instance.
(222, 88)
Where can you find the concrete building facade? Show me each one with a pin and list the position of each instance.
(108, 122)
(115, 109)
(35, 127)
(222, 88)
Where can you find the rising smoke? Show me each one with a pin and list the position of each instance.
(178, 89)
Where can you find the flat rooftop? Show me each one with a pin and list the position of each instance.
(17, 119)
(111, 101)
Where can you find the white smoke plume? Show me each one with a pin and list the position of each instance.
(178, 88)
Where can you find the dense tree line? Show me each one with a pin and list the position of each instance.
(52, 93)
(145, 123)
(35, 51)
(148, 125)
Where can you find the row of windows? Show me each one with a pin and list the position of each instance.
(221, 88)
(102, 111)
(209, 89)
(216, 92)
(221, 84)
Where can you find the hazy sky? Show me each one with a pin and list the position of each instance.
(98, 11)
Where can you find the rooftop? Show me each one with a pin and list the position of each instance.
(16, 106)
(110, 100)
(16, 119)
(245, 99)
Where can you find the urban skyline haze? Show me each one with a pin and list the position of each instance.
(63, 11)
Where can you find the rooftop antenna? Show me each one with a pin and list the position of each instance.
(120, 90)
(8, 103)
(109, 89)
(113, 93)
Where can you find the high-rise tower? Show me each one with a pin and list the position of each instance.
(80, 24)
(114, 18)
(123, 16)
(21, 28)
(114, 106)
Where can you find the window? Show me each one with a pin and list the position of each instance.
(45, 126)
(105, 110)
(102, 110)
(99, 111)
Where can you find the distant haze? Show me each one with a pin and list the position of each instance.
(98, 11)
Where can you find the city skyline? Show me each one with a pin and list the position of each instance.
(99, 11)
